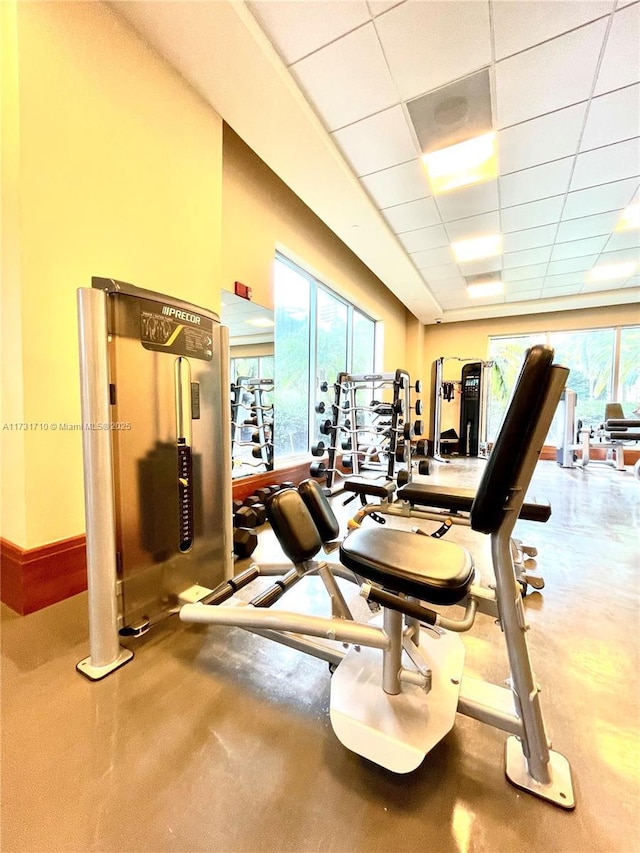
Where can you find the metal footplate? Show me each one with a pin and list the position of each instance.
(559, 790)
(396, 731)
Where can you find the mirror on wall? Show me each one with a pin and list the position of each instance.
(251, 328)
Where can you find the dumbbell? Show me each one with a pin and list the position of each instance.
(422, 448)
(423, 466)
(320, 470)
(245, 542)
(246, 516)
(256, 452)
(417, 386)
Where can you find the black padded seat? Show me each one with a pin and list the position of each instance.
(426, 568)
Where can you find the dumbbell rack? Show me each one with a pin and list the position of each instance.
(378, 433)
(261, 421)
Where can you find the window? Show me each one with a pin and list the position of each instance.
(604, 365)
(318, 334)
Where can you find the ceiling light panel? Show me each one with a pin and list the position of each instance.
(517, 26)
(377, 142)
(538, 70)
(476, 248)
(347, 80)
(612, 272)
(536, 183)
(629, 218)
(413, 31)
(612, 163)
(540, 140)
(471, 162)
(323, 21)
(620, 66)
(398, 184)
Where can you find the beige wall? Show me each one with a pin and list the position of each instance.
(471, 340)
(119, 175)
(261, 214)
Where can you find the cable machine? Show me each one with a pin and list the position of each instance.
(474, 392)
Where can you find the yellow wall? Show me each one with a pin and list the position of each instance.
(119, 176)
(261, 214)
(471, 340)
(12, 496)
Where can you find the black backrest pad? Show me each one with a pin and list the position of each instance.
(320, 509)
(511, 446)
(293, 525)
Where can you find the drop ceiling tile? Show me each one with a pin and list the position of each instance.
(517, 26)
(482, 266)
(572, 265)
(531, 238)
(623, 240)
(474, 226)
(377, 142)
(536, 183)
(621, 61)
(621, 256)
(599, 199)
(406, 182)
(532, 215)
(412, 215)
(526, 295)
(524, 284)
(468, 201)
(413, 31)
(447, 285)
(442, 272)
(566, 290)
(424, 238)
(526, 257)
(377, 7)
(573, 279)
(587, 226)
(297, 29)
(539, 140)
(578, 248)
(612, 163)
(432, 258)
(348, 79)
(520, 273)
(634, 281)
(612, 118)
(538, 70)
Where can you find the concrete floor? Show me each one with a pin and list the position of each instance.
(214, 740)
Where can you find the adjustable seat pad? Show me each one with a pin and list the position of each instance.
(429, 569)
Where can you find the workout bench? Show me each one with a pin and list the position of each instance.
(398, 681)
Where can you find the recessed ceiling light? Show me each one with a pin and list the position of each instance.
(477, 247)
(630, 218)
(260, 321)
(459, 165)
(609, 272)
(485, 288)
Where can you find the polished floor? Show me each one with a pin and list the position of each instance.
(214, 740)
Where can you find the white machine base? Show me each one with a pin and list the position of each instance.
(396, 732)
(95, 673)
(558, 791)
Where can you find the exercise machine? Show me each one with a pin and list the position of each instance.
(473, 387)
(575, 441)
(398, 679)
(157, 460)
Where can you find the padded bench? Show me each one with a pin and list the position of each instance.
(460, 500)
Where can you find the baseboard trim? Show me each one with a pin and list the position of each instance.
(33, 578)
